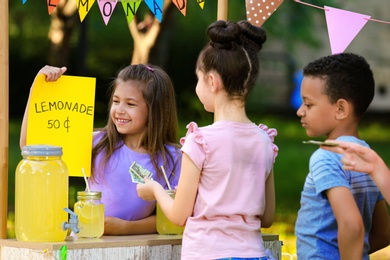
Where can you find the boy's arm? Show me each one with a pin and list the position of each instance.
(380, 229)
(349, 222)
(363, 159)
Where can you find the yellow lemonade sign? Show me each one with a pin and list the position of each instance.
(61, 113)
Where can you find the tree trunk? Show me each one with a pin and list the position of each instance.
(64, 19)
(145, 34)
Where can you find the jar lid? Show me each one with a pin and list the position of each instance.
(41, 150)
(89, 194)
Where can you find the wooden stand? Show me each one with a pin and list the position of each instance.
(4, 89)
(137, 247)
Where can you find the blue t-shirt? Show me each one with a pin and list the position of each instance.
(316, 225)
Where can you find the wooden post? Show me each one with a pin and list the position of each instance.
(4, 65)
(222, 10)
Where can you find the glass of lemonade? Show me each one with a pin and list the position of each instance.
(163, 225)
(90, 212)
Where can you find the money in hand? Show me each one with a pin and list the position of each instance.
(138, 173)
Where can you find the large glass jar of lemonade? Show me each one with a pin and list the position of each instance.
(41, 194)
(163, 225)
(90, 212)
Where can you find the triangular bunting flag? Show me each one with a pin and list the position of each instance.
(107, 8)
(130, 7)
(181, 5)
(257, 12)
(51, 4)
(343, 26)
(84, 6)
(201, 3)
(156, 7)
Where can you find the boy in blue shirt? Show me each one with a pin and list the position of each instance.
(343, 214)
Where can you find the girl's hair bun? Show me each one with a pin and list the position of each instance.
(224, 35)
(253, 35)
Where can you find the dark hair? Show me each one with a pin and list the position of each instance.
(158, 92)
(232, 53)
(348, 76)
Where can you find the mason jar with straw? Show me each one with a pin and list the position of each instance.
(90, 211)
(163, 225)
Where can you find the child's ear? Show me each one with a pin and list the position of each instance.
(215, 81)
(344, 109)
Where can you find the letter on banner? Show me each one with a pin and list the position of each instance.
(156, 7)
(130, 7)
(106, 9)
(83, 6)
(181, 5)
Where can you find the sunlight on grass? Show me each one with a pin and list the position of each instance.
(286, 235)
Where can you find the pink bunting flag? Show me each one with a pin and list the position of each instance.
(343, 26)
(258, 11)
(181, 5)
(51, 5)
(106, 9)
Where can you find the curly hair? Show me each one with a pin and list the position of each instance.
(348, 76)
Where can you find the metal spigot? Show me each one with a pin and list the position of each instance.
(73, 222)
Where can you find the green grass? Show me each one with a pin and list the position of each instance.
(291, 165)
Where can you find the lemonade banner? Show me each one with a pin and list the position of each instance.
(258, 11)
(61, 113)
(343, 26)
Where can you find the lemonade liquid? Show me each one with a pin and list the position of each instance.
(163, 225)
(41, 194)
(90, 212)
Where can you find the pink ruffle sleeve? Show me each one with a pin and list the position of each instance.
(194, 135)
(271, 133)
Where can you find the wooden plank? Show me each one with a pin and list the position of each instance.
(143, 247)
(222, 10)
(4, 119)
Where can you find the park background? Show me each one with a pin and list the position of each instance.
(296, 34)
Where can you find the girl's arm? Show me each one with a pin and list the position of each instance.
(269, 213)
(349, 222)
(52, 74)
(179, 209)
(116, 226)
(380, 230)
(363, 159)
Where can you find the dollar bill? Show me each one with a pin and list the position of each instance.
(138, 173)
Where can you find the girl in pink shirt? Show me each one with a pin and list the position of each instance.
(226, 187)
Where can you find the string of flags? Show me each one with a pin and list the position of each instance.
(343, 25)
